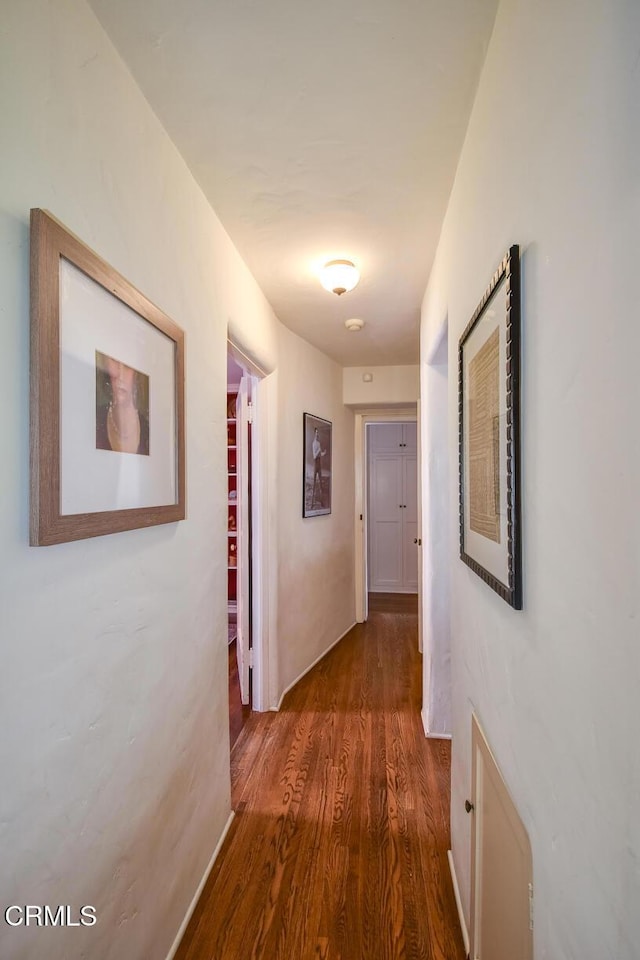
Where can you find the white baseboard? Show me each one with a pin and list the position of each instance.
(456, 891)
(428, 734)
(312, 665)
(196, 897)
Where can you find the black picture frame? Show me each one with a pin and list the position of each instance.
(489, 435)
(317, 467)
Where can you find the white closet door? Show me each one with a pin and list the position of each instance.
(501, 864)
(386, 438)
(410, 437)
(410, 523)
(386, 538)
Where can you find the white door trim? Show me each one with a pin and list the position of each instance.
(243, 557)
(265, 560)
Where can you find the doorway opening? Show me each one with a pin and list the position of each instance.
(239, 521)
(392, 511)
(387, 510)
(250, 543)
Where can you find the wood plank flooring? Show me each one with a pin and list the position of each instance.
(338, 850)
(393, 602)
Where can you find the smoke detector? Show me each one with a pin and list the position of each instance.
(354, 324)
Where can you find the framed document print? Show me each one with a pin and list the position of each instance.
(107, 397)
(489, 435)
(316, 466)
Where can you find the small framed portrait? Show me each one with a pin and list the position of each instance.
(489, 435)
(316, 467)
(107, 396)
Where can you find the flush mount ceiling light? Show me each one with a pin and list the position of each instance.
(354, 324)
(339, 276)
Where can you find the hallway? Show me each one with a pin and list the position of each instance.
(339, 844)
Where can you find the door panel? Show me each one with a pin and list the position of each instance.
(410, 483)
(385, 559)
(388, 556)
(410, 523)
(386, 488)
(410, 557)
(410, 437)
(385, 437)
(501, 865)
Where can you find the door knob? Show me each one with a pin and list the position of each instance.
(468, 806)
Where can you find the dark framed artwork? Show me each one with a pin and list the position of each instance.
(489, 435)
(107, 397)
(316, 467)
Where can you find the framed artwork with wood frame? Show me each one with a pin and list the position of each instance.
(107, 397)
(489, 435)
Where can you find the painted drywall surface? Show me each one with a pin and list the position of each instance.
(113, 702)
(390, 385)
(436, 662)
(550, 161)
(316, 591)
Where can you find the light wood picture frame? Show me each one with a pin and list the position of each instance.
(489, 435)
(107, 397)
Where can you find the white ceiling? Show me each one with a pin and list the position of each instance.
(318, 130)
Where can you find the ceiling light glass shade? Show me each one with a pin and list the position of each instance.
(339, 276)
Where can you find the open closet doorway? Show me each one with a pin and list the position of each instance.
(239, 543)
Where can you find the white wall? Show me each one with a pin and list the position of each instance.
(434, 597)
(113, 688)
(113, 752)
(315, 554)
(551, 161)
(391, 385)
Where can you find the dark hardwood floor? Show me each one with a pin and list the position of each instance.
(338, 850)
(393, 602)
